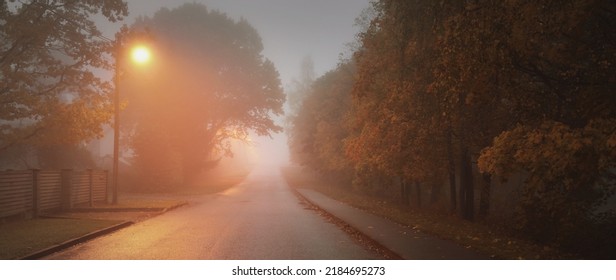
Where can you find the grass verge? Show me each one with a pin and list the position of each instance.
(494, 242)
(20, 238)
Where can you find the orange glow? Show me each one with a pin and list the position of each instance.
(140, 54)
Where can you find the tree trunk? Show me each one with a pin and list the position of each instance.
(466, 184)
(418, 188)
(484, 198)
(435, 193)
(452, 173)
(404, 195)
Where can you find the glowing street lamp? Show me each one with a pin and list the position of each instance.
(139, 54)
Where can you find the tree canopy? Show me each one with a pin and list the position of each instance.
(320, 126)
(471, 93)
(208, 83)
(49, 52)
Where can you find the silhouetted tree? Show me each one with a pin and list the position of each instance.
(209, 83)
(317, 134)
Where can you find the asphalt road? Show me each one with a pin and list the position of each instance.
(259, 219)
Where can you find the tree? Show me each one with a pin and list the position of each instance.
(564, 138)
(210, 84)
(49, 52)
(396, 119)
(506, 88)
(301, 87)
(317, 134)
(469, 80)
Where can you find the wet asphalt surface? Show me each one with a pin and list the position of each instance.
(260, 218)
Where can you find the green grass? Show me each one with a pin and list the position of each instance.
(20, 238)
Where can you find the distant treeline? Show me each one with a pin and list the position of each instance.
(443, 97)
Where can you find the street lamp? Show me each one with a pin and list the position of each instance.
(140, 54)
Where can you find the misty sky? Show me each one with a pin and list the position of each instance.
(290, 30)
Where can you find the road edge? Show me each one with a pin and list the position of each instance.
(361, 237)
(92, 235)
(66, 244)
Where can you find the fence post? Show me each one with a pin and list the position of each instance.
(66, 189)
(91, 185)
(35, 193)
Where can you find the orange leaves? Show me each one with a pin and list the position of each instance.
(567, 174)
(48, 67)
(318, 133)
(553, 152)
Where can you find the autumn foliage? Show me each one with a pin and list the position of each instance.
(451, 98)
(51, 96)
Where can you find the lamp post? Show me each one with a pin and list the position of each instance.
(141, 55)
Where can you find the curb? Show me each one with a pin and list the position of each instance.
(95, 234)
(133, 209)
(382, 249)
(71, 242)
(97, 210)
(395, 237)
(174, 206)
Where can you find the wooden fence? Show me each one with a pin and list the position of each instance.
(30, 192)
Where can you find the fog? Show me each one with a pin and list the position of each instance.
(457, 130)
(290, 31)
